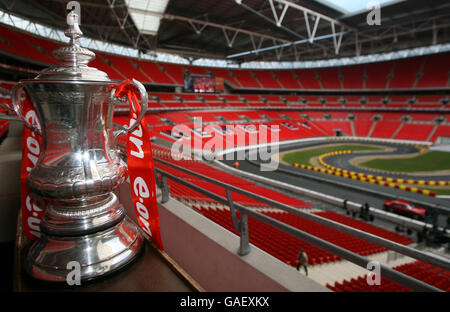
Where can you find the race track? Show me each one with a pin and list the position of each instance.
(353, 190)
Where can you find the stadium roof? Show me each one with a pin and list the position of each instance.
(251, 30)
(354, 6)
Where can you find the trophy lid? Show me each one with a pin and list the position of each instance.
(74, 58)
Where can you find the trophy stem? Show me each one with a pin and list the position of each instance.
(82, 217)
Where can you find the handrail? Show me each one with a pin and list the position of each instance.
(9, 117)
(387, 272)
(293, 107)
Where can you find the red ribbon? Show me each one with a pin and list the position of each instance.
(140, 167)
(32, 211)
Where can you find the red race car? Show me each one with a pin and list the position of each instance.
(405, 208)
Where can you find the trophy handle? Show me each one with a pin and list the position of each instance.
(17, 105)
(144, 96)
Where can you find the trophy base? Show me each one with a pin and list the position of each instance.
(82, 258)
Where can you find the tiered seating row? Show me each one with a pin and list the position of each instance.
(425, 272)
(209, 171)
(162, 99)
(286, 247)
(271, 240)
(422, 72)
(368, 228)
(293, 126)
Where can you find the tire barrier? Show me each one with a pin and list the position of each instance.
(419, 145)
(383, 181)
(165, 153)
(376, 177)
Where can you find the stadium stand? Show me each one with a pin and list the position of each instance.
(405, 73)
(422, 271)
(246, 79)
(435, 72)
(377, 75)
(153, 71)
(427, 71)
(282, 107)
(266, 79)
(286, 247)
(353, 77)
(329, 77)
(414, 131)
(287, 79)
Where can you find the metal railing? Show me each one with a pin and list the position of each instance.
(241, 226)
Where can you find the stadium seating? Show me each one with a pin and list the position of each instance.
(405, 73)
(224, 73)
(420, 72)
(442, 131)
(153, 71)
(246, 79)
(209, 171)
(329, 77)
(414, 131)
(127, 67)
(331, 126)
(423, 117)
(174, 71)
(377, 75)
(385, 128)
(368, 228)
(362, 127)
(196, 70)
(353, 77)
(425, 272)
(12, 42)
(308, 78)
(265, 77)
(44, 46)
(99, 62)
(420, 127)
(273, 241)
(287, 79)
(367, 100)
(435, 72)
(286, 247)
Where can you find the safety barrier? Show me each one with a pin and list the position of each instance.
(383, 181)
(376, 177)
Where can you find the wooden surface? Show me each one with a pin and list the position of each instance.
(152, 271)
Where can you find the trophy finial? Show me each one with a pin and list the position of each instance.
(73, 32)
(74, 58)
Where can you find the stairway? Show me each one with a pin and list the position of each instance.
(318, 80)
(256, 79)
(432, 132)
(420, 72)
(352, 126)
(372, 128)
(390, 76)
(330, 273)
(398, 130)
(144, 73)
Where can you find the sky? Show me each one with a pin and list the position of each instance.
(351, 6)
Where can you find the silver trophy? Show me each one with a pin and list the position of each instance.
(79, 168)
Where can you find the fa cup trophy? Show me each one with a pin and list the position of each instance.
(78, 168)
